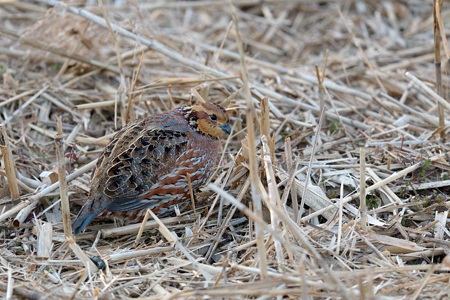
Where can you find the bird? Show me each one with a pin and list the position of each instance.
(147, 163)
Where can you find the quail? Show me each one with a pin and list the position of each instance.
(147, 163)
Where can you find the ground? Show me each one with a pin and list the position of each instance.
(333, 184)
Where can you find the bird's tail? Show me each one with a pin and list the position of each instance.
(80, 224)
(84, 217)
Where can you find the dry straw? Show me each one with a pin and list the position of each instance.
(332, 185)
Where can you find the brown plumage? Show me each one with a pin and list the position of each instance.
(146, 163)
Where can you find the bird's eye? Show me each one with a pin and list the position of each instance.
(213, 117)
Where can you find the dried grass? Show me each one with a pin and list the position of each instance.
(333, 184)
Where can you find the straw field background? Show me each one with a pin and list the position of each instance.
(334, 183)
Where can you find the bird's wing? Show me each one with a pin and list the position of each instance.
(136, 162)
(171, 186)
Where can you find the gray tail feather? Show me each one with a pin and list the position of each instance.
(81, 223)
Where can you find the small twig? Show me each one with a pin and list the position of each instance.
(133, 87)
(10, 286)
(265, 126)
(437, 4)
(45, 236)
(88, 263)
(341, 208)
(255, 181)
(274, 197)
(131, 229)
(197, 95)
(17, 97)
(63, 188)
(23, 214)
(438, 11)
(362, 183)
(93, 105)
(321, 91)
(9, 165)
(142, 228)
(311, 159)
(291, 170)
(138, 253)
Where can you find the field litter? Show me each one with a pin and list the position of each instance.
(332, 102)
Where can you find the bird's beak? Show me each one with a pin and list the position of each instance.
(226, 128)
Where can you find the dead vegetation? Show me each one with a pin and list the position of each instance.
(333, 102)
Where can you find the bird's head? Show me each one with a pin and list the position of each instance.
(208, 118)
